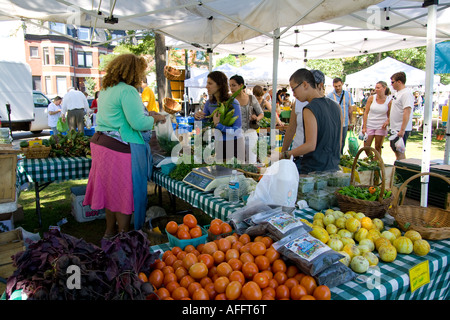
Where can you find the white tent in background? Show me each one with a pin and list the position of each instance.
(382, 71)
(200, 80)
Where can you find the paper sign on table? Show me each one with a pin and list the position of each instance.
(419, 275)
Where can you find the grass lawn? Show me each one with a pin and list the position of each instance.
(413, 148)
(56, 205)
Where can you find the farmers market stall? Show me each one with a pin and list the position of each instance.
(389, 281)
(42, 172)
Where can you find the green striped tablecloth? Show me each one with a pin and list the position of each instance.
(52, 169)
(205, 201)
(392, 279)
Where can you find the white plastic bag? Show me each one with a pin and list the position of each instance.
(400, 146)
(278, 186)
(165, 134)
(87, 121)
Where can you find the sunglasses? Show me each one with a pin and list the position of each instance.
(293, 89)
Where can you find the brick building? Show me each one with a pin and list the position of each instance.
(58, 61)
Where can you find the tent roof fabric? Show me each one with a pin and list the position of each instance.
(204, 22)
(382, 71)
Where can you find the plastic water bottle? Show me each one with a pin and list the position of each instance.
(233, 192)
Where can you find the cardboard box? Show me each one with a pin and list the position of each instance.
(80, 212)
(11, 242)
(6, 222)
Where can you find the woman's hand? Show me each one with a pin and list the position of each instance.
(384, 126)
(199, 115)
(216, 118)
(159, 118)
(363, 130)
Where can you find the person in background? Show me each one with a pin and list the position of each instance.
(376, 116)
(54, 112)
(148, 97)
(202, 101)
(76, 106)
(231, 137)
(287, 101)
(120, 161)
(265, 105)
(345, 100)
(267, 95)
(94, 105)
(250, 111)
(94, 108)
(401, 112)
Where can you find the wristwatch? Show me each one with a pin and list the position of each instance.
(285, 155)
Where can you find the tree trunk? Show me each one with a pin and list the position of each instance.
(160, 62)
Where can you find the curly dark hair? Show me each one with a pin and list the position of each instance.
(128, 68)
(222, 81)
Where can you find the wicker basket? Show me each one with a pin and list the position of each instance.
(36, 152)
(253, 175)
(431, 223)
(372, 209)
(171, 106)
(172, 73)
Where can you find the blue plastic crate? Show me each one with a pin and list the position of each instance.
(175, 242)
(184, 128)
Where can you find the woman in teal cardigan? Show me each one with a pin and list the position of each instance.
(120, 157)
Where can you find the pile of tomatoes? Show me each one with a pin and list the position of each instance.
(189, 229)
(219, 227)
(231, 268)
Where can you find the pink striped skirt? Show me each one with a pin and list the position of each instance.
(110, 184)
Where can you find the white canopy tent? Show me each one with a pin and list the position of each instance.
(382, 71)
(199, 81)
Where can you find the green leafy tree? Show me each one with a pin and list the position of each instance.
(89, 85)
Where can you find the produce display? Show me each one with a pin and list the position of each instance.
(368, 163)
(73, 144)
(231, 268)
(189, 229)
(107, 273)
(358, 238)
(364, 193)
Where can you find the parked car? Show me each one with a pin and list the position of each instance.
(40, 122)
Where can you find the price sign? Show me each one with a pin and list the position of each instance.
(419, 275)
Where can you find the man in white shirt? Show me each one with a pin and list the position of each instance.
(75, 105)
(401, 112)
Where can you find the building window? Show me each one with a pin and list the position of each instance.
(83, 33)
(37, 83)
(58, 27)
(46, 56)
(84, 59)
(61, 85)
(48, 85)
(71, 57)
(59, 56)
(34, 52)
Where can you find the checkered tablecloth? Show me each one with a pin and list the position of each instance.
(205, 201)
(389, 282)
(52, 169)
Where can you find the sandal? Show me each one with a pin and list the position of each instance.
(108, 236)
